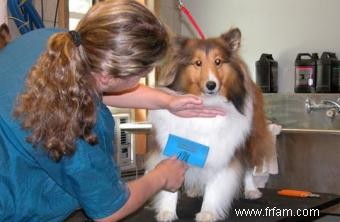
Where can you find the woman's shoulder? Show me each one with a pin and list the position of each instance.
(17, 58)
(25, 48)
(42, 32)
(32, 39)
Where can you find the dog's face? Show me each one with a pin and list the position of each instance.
(207, 67)
(5, 36)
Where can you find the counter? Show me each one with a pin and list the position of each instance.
(271, 203)
(328, 204)
(289, 111)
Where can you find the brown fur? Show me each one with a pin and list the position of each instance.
(5, 36)
(187, 70)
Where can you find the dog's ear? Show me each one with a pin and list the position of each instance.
(170, 68)
(232, 38)
(179, 42)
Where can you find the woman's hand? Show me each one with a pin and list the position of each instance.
(192, 106)
(144, 97)
(167, 175)
(171, 171)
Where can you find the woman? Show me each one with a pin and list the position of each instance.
(56, 152)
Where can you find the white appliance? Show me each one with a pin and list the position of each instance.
(124, 143)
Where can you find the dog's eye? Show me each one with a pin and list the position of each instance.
(198, 63)
(218, 62)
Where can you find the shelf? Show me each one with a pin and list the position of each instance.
(136, 127)
(322, 131)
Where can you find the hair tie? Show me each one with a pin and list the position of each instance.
(75, 37)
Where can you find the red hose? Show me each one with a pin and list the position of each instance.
(192, 20)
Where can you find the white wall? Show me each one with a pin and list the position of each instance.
(170, 15)
(279, 27)
(49, 11)
(3, 12)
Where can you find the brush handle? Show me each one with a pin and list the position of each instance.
(296, 193)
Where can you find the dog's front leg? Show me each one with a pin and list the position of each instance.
(250, 190)
(219, 193)
(165, 205)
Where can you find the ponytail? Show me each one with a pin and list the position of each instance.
(58, 105)
(120, 38)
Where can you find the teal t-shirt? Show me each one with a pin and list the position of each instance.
(32, 186)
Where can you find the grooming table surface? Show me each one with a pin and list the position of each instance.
(188, 207)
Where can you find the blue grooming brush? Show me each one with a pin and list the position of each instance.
(186, 150)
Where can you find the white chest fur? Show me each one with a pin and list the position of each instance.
(222, 134)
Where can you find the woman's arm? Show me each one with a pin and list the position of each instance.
(142, 97)
(149, 98)
(168, 175)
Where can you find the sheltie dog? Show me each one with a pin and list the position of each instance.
(238, 141)
(5, 36)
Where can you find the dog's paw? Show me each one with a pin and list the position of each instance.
(166, 216)
(206, 216)
(252, 194)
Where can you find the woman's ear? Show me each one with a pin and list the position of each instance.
(103, 79)
(169, 69)
(179, 42)
(232, 38)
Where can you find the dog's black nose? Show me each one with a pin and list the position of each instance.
(211, 85)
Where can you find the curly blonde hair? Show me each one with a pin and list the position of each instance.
(120, 38)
